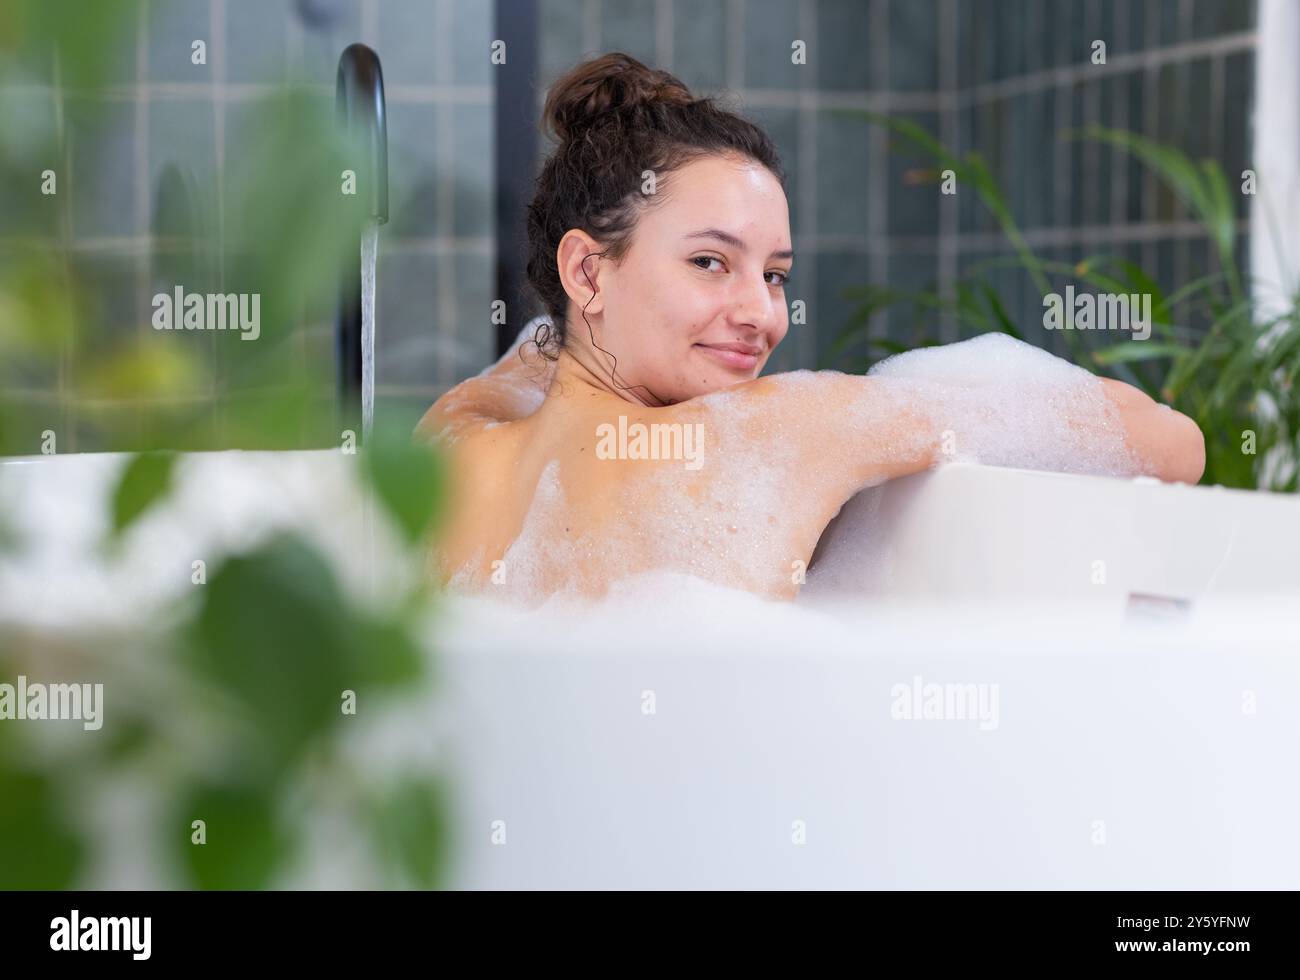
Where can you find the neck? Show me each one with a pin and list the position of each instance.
(582, 370)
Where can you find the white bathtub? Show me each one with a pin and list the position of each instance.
(1134, 732)
(986, 533)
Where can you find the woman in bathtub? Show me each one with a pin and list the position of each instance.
(635, 435)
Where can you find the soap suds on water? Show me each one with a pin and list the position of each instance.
(991, 400)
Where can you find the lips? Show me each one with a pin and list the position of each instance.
(737, 357)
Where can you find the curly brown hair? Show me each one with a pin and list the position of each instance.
(614, 118)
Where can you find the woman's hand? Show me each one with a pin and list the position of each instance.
(1168, 440)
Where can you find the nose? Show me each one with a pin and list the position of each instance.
(753, 304)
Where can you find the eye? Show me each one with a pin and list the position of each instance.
(705, 258)
(785, 277)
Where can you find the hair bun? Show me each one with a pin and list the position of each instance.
(614, 82)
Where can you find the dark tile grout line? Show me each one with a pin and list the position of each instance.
(140, 189)
(66, 418)
(217, 27)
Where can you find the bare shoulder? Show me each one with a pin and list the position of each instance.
(853, 429)
(813, 404)
(793, 389)
(479, 403)
(457, 412)
(773, 392)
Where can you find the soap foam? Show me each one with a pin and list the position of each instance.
(1007, 403)
(543, 559)
(667, 520)
(530, 375)
(517, 383)
(722, 524)
(1003, 402)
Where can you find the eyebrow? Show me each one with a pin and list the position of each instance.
(734, 242)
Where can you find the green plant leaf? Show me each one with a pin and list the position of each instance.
(1186, 368)
(390, 655)
(1285, 346)
(410, 830)
(88, 37)
(893, 346)
(1220, 213)
(246, 844)
(872, 300)
(1174, 167)
(146, 480)
(1211, 375)
(408, 477)
(38, 848)
(1203, 188)
(1132, 350)
(275, 634)
(999, 312)
(1138, 277)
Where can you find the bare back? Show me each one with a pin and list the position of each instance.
(572, 498)
(574, 491)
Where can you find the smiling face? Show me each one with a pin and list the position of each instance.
(697, 303)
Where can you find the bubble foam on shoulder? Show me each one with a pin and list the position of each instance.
(1002, 402)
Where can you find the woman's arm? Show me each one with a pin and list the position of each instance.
(1168, 440)
(847, 432)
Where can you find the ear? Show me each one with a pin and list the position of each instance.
(582, 287)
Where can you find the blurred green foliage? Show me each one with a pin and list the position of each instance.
(231, 706)
(146, 480)
(79, 355)
(246, 843)
(277, 637)
(398, 470)
(410, 831)
(38, 846)
(240, 711)
(1234, 376)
